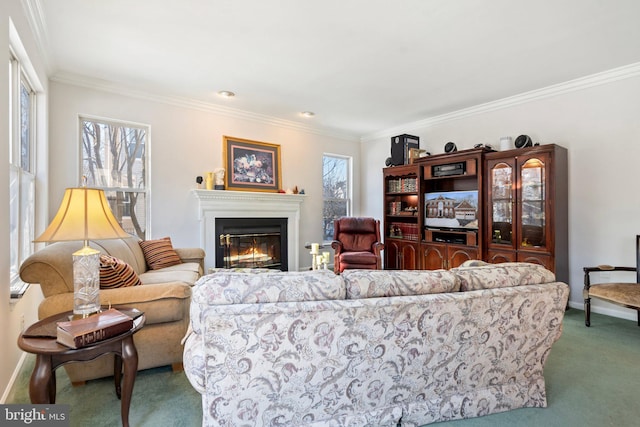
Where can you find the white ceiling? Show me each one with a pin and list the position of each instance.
(361, 65)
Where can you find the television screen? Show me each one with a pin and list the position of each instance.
(451, 210)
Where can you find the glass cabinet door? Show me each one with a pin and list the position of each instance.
(532, 202)
(501, 175)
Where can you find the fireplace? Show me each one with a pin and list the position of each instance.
(214, 205)
(252, 243)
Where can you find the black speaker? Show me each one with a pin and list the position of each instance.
(400, 146)
(450, 147)
(523, 141)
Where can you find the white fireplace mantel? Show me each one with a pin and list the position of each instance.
(214, 204)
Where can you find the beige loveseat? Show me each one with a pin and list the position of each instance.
(371, 347)
(164, 298)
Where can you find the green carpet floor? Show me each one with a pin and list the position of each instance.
(592, 377)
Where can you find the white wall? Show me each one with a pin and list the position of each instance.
(600, 127)
(184, 143)
(15, 314)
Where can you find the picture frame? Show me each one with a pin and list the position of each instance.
(251, 165)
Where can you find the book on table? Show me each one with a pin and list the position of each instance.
(97, 327)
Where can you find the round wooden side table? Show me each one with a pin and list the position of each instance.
(40, 339)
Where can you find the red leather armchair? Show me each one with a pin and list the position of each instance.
(357, 244)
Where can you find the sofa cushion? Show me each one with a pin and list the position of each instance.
(159, 253)
(115, 273)
(268, 287)
(187, 272)
(502, 275)
(386, 283)
(360, 258)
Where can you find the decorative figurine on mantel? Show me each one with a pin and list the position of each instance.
(219, 173)
(208, 181)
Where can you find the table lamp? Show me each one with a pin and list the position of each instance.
(84, 214)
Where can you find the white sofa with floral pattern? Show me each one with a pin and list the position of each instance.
(371, 347)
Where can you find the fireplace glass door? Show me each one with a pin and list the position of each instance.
(251, 243)
(251, 250)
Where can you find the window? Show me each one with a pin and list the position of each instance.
(114, 158)
(336, 191)
(22, 100)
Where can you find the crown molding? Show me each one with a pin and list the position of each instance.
(38, 25)
(37, 22)
(35, 17)
(110, 87)
(605, 77)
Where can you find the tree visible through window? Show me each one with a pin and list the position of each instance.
(335, 191)
(114, 159)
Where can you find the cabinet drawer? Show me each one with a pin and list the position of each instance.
(496, 256)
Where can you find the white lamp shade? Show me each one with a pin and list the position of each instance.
(84, 214)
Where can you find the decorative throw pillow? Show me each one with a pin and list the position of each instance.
(473, 263)
(159, 253)
(115, 273)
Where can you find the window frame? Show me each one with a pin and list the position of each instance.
(349, 186)
(22, 203)
(146, 191)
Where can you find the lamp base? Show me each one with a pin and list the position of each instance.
(86, 282)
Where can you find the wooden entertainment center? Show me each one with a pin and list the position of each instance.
(496, 206)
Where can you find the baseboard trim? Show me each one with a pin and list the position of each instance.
(613, 311)
(13, 378)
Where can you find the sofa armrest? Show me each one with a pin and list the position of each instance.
(51, 267)
(194, 359)
(147, 298)
(377, 247)
(192, 255)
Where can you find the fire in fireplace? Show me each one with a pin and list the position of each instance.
(252, 242)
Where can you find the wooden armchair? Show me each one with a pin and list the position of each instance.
(624, 294)
(356, 244)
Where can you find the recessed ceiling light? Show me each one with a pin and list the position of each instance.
(226, 94)
(307, 114)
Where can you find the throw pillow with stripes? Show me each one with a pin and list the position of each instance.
(159, 253)
(115, 273)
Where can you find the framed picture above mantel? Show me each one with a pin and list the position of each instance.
(251, 165)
